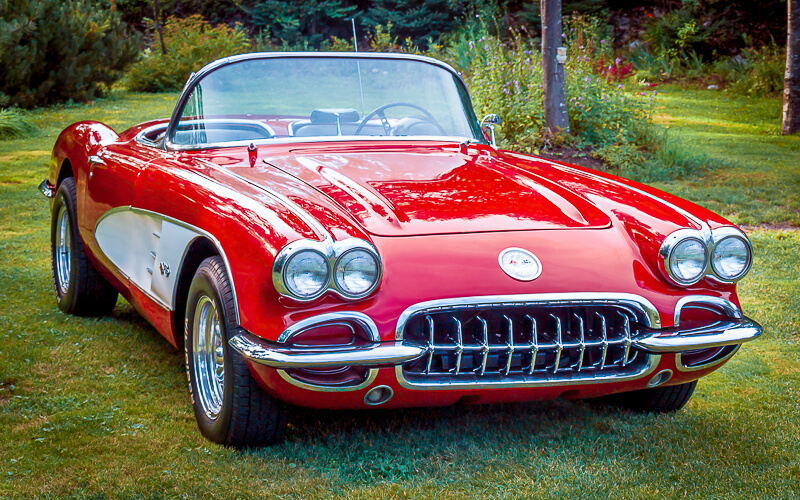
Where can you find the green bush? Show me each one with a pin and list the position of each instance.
(757, 71)
(57, 50)
(191, 43)
(507, 79)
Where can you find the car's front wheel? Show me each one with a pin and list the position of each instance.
(80, 289)
(656, 400)
(230, 408)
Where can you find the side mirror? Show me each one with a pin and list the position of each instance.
(488, 122)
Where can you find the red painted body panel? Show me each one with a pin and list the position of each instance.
(432, 212)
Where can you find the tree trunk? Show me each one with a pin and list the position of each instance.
(555, 96)
(157, 10)
(791, 82)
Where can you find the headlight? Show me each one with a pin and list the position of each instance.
(306, 273)
(687, 261)
(731, 258)
(356, 272)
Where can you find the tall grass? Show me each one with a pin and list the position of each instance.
(14, 124)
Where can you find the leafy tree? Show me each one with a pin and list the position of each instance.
(55, 50)
(293, 21)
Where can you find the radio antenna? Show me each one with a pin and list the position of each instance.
(358, 65)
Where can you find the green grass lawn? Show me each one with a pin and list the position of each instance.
(759, 180)
(96, 408)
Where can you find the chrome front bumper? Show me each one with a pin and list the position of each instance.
(393, 353)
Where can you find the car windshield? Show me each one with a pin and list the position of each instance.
(263, 99)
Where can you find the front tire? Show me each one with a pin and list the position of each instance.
(229, 406)
(656, 400)
(80, 289)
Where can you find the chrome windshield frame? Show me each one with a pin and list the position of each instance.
(196, 77)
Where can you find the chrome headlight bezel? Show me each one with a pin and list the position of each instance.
(331, 251)
(721, 235)
(709, 239)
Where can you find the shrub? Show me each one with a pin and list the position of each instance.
(14, 124)
(756, 71)
(508, 80)
(191, 44)
(57, 50)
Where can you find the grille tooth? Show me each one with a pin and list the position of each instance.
(506, 342)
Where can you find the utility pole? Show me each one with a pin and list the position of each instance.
(791, 82)
(553, 58)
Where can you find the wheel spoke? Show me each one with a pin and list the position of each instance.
(208, 356)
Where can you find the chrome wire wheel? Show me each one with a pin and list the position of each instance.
(63, 253)
(208, 356)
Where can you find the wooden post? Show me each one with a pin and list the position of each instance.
(555, 95)
(791, 82)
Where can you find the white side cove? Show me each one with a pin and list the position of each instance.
(149, 248)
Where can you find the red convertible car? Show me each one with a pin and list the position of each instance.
(339, 231)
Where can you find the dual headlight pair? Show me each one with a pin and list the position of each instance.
(306, 269)
(689, 255)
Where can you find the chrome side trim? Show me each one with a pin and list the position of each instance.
(306, 217)
(96, 160)
(129, 236)
(683, 368)
(334, 317)
(372, 374)
(370, 355)
(728, 307)
(649, 311)
(581, 379)
(714, 335)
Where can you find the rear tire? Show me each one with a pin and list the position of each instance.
(80, 289)
(229, 406)
(656, 400)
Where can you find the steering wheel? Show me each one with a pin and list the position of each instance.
(380, 113)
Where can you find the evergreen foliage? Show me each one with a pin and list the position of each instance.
(420, 20)
(296, 21)
(57, 50)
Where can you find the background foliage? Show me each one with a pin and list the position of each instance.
(191, 44)
(55, 50)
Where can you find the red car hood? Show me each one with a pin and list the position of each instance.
(418, 191)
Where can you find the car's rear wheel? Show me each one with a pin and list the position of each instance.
(656, 400)
(230, 408)
(79, 288)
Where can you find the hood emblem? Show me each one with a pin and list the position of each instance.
(520, 264)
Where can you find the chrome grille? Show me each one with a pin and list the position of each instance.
(524, 341)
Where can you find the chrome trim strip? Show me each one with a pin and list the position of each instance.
(334, 317)
(375, 354)
(645, 306)
(96, 160)
(194, 229)
(334, 138)
(306, 217)
(47, 189)
(683, 368)
(715, 335)
(582, 379)
(731, 309)
(372, 374)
